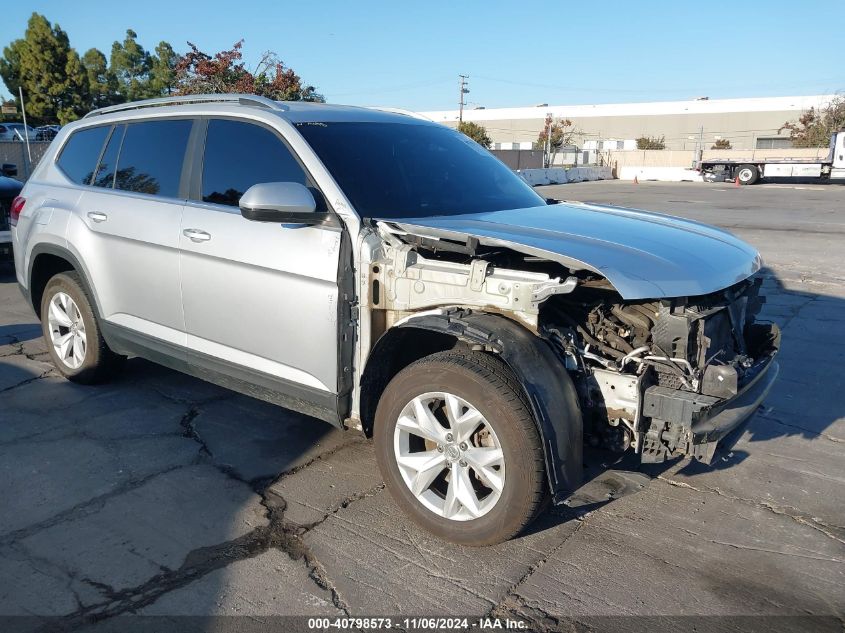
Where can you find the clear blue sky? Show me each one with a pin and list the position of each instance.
(409, 55)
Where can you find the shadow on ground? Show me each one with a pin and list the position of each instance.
(160, 494)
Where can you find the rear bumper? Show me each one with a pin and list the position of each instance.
(698, 425)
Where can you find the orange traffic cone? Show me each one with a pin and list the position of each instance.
(736, 181)
(636, 182)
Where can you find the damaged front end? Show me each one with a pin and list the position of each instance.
(664, 377)
(668, 377)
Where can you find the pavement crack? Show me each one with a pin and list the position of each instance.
(320, 576)
(779, 552)
(43, 374)
(80, 510)
(354, 440)
(189, 429)
(197, 564)
(811, 522)
(345, 503)
(506, 605)
(771, 418)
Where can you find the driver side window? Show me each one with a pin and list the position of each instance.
(240, 154)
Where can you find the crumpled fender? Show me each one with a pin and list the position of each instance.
(551, 392)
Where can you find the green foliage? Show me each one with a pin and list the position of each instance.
(102, 84)
(163, 70)
(815, 127)
(721, 143)
(60, 87)
(49, 71)
(476, 132)
(131, 65)
(651, 142)
(224, 72)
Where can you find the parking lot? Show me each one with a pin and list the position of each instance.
(159, 494)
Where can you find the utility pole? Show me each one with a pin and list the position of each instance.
(461, 102)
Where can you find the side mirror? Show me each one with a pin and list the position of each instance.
(281, 202)
(9, 169)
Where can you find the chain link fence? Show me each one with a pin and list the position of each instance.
(15, 153)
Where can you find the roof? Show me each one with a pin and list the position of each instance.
(293, 111)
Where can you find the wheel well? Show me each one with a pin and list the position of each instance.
(44, 268)
(548, 386)
(394, 351)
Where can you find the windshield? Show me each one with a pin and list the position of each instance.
(408, 170)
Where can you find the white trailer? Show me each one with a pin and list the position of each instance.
(747, 172)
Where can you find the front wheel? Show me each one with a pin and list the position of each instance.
(458, 448)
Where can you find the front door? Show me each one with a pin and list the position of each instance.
(260, 299)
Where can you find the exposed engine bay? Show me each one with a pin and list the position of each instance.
(650, 374)
(631, 359)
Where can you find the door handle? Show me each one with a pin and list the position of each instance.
(98, 217)
(195, 235)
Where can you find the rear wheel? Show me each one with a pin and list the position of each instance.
(72, 333)
(747, 174)
(458, 448)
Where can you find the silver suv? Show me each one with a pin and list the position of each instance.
(385, 273)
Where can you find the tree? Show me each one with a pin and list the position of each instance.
(131, 65)
(102, 84)
(651, 142)
(815, 127)
(163, 70)
(476, 132)
(198, 72)
(555, 135)
(721, 143)
(75, 102)
(50, 72)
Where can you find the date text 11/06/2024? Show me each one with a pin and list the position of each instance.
(417, 624)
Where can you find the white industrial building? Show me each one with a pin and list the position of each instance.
(748, 124)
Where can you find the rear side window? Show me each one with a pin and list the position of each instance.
(239, 155)
(151, 157)
(108, 163)
(80, 154)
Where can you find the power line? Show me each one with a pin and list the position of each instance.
(397, 88)
(581, 88)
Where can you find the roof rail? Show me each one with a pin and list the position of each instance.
(243, 99)
(410, 113)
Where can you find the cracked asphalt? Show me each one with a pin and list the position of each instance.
(158, 494)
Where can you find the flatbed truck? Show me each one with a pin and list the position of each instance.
(748, 172)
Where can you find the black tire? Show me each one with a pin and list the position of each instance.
(489, 386)
(747, 174)
(100, 363)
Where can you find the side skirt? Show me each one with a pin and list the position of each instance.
(306, 400)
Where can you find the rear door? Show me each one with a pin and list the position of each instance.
(129, 235)
(260, 299)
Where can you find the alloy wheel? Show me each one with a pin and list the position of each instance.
(449, 456)
(67, 330)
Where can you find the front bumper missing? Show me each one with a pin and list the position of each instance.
(685, 423)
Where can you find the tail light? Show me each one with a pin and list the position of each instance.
(15, 210)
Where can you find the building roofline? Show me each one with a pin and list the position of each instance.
(695, 106)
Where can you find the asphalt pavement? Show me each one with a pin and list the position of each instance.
(159, 494)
